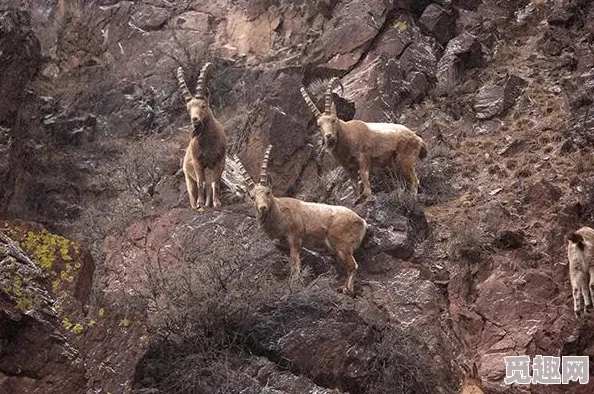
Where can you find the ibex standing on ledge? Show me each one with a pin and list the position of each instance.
(580, 253)
(204, 161)
(357, 145)
(298, 223)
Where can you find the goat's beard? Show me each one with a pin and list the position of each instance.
(198, 128)
(262, 216)
(330, 144)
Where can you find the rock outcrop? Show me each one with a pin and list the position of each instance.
(501, 91)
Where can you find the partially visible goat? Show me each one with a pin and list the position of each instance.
(357, 145)
(334, 228)
(580, 247)
(204, 160)
(471, 383)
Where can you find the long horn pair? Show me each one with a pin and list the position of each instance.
(328, 99)
(310, 103)
(263, 172)
(201, 89)
(182, 84)
(264, 169)
(244, 174)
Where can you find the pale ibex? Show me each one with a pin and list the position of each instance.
(298, 223)
(204, 160)
(358, 146)
(580, 249)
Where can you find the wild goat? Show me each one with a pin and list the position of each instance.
(358, 146)
(581, 267)
(298, 223)
(204, 160)
(471, 384)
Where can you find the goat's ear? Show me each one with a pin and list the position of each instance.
(333, 109)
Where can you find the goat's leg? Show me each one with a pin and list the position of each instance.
(216, 184)
(591, 270)
(295, 249)
(200, 182)
(582, 284)
(411, 176)
(354, 178)
(576, 278)
(364, 175)
(207, 187)
(192, 190)
(351, 266)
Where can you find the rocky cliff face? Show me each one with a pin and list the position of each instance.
(93, 128)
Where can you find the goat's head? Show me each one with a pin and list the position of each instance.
(260, 193)
(327, 121)
(197, 105)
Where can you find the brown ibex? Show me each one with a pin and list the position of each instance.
(299, 223)
(358, 146)
(580, 253)
(204, 160)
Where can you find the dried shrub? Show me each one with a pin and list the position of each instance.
(202, 314)
(469, 242)
(402, 366)
(436, 175)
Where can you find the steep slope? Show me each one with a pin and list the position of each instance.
(501, 91)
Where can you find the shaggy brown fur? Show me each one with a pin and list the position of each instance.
(204, 160)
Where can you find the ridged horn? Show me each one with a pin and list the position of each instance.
(310, 103)
(201, 89)
(182, 84)
(264, 169)
(328, 99)
(244, 174)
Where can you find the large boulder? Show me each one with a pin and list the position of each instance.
(462, 53)
(495, 99)
(34, 347)
(20, 57)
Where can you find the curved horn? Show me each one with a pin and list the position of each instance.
(182, 84)
(244, 174)
(201, 90)
(264, 169)
(310, 103)
(328, 100)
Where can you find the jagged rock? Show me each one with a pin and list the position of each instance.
(71, 130)
(34, 349)
(342, 47)
(20, 57)
(440, 23)
(462, 53)
(420, 56)
(467, 4)
(148, 17)
(395, 227)
(509, 239)
(496, 99)
(403, 53)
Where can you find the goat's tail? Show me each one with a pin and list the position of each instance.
(423, 152)
(577, 239)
